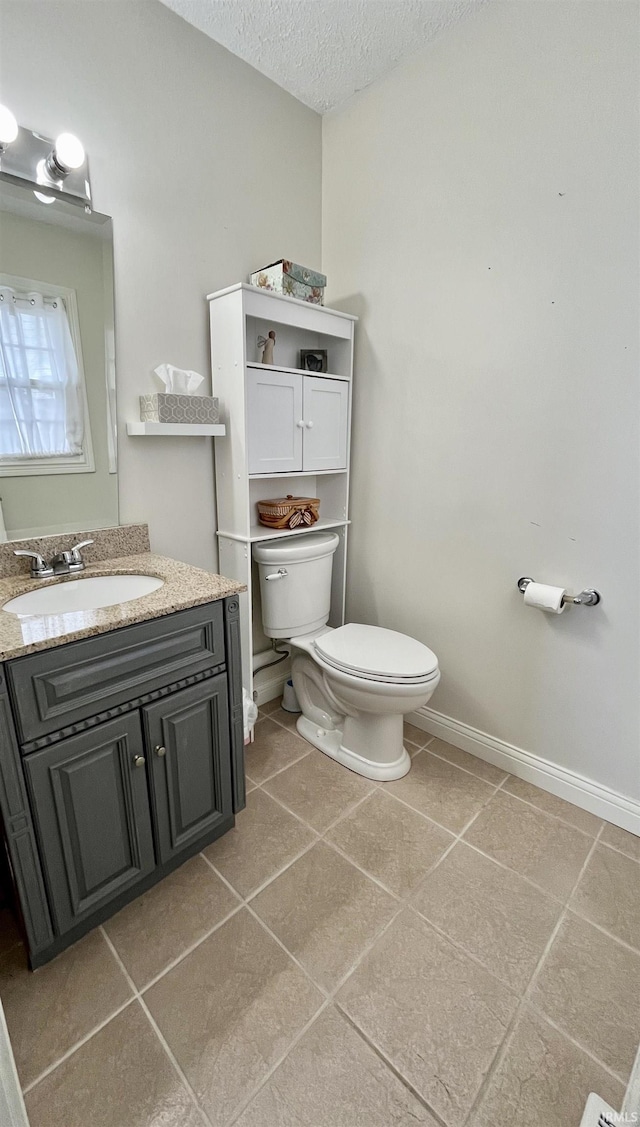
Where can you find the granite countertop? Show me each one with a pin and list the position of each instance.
(184, 586)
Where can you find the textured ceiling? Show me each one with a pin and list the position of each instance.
(323, 51)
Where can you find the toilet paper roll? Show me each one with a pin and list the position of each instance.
(544, 597)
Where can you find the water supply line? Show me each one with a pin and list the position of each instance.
(266, 659)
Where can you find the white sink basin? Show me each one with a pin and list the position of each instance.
(83, 594)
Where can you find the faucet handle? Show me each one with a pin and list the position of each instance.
(73, 555)
(40, 569)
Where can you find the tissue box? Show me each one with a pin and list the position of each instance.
(289, 278)
(168, 407)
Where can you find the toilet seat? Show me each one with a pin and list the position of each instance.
(376, 654)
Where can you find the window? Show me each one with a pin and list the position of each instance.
(44, 422)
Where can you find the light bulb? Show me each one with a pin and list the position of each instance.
(69, 152)
(43, 177)
(8, 126)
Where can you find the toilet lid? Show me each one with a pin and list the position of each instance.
(372, 652)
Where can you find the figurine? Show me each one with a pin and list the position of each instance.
(266, 344)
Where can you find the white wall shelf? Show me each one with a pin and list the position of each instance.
(212, 430)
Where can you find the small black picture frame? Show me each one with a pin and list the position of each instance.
(313, 359)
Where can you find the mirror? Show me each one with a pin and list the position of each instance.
(57, 372)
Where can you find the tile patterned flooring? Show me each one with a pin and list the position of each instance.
(455, 949)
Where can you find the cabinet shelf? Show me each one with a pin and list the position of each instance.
(261, 532)
(296, 371)
(284, 310)
(294, 473)
(213, 430)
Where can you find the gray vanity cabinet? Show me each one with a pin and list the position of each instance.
(187, 737)
(121, 755)
(91, 809)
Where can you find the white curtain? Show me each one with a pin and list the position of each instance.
(41, 402)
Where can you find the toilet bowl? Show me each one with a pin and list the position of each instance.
(353, 705)
(354, 683)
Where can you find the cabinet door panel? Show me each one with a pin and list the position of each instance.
(188, 739)
(92, 816)
(326, 405)
(274, 410)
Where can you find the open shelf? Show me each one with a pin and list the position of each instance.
(213, 430)
(290, 339)
(261, 532)
(297, 371)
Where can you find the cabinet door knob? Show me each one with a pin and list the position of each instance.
(159, 750)
(309, 425)
(138, 761)
(300, 423)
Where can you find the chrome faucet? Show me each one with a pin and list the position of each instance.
(65, 563)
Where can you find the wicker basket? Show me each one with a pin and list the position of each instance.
(289, 512)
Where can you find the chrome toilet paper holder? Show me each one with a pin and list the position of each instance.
(587, 598)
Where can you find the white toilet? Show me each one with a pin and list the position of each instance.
(354, 683)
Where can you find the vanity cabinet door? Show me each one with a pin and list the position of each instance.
(187, 735)
(91, 808)
(326, 413)
(274, 421)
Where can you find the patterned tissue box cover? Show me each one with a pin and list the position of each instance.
(167, 407)
(291, 279)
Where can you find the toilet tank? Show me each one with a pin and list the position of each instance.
(299, 600)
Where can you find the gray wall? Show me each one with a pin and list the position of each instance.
(481, 213)
(209, 170)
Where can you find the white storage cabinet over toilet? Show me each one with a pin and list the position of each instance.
(296, 422)
(288, 432)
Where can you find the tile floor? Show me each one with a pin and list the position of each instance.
(455, 948)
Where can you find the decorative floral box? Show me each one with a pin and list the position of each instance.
(168, 407)
(292, 280)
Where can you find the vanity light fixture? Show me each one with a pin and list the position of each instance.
(59, 167)
(8, 128)
(66, 155)
(43, 178)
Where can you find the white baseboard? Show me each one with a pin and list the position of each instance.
(598, 799)
(268, 688)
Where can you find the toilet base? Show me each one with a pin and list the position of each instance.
(331, 742)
